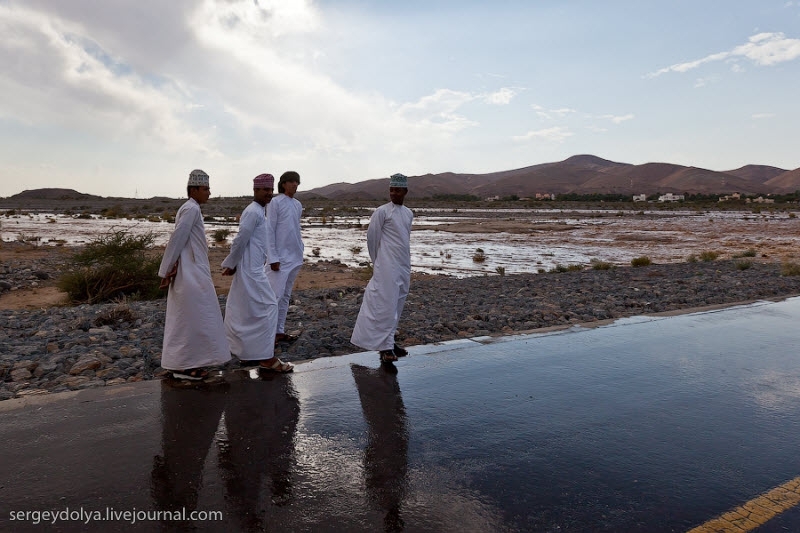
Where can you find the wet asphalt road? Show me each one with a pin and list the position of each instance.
(647, 424)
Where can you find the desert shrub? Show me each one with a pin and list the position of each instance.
(743, 265)
(221, 234)
(114, 265)
(574, 268)
(315, 251)
(750, 252)
(355, 250)
(641, 261)
(790, 269)
(118, 314)
(708, 256)
(365, 272)
(501, 270)
(601, 265)
(479, 256)
(559, 268)
(692, 259)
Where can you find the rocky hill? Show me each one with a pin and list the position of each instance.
(582, 174)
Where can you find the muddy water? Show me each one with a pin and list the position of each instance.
(511, 240)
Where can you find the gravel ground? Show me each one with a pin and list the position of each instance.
(68, 348)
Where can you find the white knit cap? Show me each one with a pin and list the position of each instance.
(198, 178)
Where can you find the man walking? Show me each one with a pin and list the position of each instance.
(194, 336)
(388, 242)
(285, 254)
(251, 314)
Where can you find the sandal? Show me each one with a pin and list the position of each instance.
(276, 366)
(285, 337)
(387, 356)
(399, 352)
(192, 374)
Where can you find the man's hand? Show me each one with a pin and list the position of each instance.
(228, 272)
(275, 266)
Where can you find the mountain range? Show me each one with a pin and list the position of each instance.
(581, 174)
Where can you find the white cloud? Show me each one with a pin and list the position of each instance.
(763, 49)
(549, 114)
(55, 75)
(618, 119)
(501, 97)
(769, 49)
(555, 134)
(758, 116)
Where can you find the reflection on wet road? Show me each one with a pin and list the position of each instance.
(647, 424)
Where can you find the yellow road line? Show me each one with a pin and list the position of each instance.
(756, 512)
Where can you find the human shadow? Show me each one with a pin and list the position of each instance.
(257, 457)
(190, 418)
(386, 454)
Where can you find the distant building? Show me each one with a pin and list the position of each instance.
(639, 197)
(728, 197)
(761, 200)
(545, 196)
(669, 197)
(492, 198)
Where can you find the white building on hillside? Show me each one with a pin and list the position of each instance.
(669, 197)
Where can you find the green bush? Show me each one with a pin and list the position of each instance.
(641, 261)
(708, 256)
(114, 265)
(601, 265)
(743, 265)
(750, 252)
(790, 269)
(220, 234)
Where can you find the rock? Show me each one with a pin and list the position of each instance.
(20, 374)
(74, 382)
(89, 362)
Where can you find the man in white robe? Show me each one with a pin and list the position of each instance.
(286, 247)
(194, 336)
(251, 313)
(388, 242)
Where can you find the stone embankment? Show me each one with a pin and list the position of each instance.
(68, 348)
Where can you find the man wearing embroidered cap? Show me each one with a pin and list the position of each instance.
(251, 314)
(194, 336)
(389, 244)
(285, 247)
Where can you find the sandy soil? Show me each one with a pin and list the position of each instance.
(312, 276)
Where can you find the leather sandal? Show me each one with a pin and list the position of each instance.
(387, 356)
(276, 366)
(285, 337)
(192, 374)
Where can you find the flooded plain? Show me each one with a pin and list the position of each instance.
(469, 242)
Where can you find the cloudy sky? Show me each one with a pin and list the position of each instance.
(125, 97)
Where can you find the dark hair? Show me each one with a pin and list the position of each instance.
(189, 190)
(289, 175)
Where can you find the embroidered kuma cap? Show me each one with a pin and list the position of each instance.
(198, 178)
(398, 180)
(264, 181)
